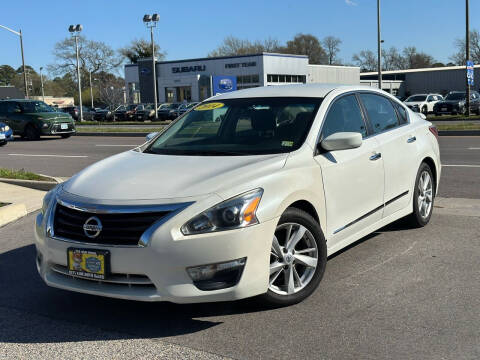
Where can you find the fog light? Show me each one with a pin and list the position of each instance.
(217, 276)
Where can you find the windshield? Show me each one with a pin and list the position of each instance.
(455, 96)
(249, 126)
(416, 98)
(35, 107)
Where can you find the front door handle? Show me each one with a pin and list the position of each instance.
(412, 139)
(376, 156)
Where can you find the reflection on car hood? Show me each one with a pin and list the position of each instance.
(134, 175)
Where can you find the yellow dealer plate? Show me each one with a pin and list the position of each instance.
(93, 264)
(209, 106)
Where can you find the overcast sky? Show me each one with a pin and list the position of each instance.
(190, 29)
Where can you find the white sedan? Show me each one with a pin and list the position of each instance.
(245, 195)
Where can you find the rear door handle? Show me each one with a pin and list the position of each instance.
(412, 139)
(376, 156)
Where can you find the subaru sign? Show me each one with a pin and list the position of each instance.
(470, 72)
(223, 84)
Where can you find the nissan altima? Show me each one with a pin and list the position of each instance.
(245, 195)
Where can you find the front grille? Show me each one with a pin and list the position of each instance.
(57, 128)
(117, 229)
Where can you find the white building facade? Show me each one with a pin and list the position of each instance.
(191, 80)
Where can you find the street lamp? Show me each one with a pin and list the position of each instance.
(151, 22)
(41, 82)
(379, 39)
(91, 91)
(75, 30)
(19, 33)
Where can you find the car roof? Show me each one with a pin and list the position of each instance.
(298, 90)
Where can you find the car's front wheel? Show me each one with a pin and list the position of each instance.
(297, 260)
(423, 197)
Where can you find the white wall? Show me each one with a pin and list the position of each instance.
(348, 75)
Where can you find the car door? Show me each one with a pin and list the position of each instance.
(398, 145)
(353, 178)
(3, 112)
(14, 117)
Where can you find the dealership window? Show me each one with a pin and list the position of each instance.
(248, 79)
(273, 78)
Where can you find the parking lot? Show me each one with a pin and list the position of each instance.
(399, 293)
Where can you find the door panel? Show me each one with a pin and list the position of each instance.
(353, 186)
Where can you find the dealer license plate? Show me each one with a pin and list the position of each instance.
(64, 126)
(93, 264)
(444, 109)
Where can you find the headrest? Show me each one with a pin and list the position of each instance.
(263, 120)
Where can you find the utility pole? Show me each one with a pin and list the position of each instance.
(151, 22)
(19, 33)
(91, 91)
(41, 82)
(379, 40)
(467, 55)
(75, 30)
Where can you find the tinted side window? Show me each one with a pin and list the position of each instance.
(344, 116)
(380, 112)
(3, 107)
(402, 113)
(11, 106)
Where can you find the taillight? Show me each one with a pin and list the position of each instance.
(434, 131)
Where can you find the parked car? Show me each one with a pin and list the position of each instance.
(103, 115)
(33, 118)
(120, 113)
(72, 110)
(423, 102)
(168, 112)
(6, 134)
(455, 103)
(228, 227)
(182, 109)
(88, 113)
(146, 112)
(131, 110)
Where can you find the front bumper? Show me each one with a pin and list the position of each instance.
(56, 129)
(6, 136)
(157, 272)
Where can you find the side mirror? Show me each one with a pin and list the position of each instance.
(151, 136)
(342, 141)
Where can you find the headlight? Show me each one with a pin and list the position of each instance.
(234, 213)
(5, 128)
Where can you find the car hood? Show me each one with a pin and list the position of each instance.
(414, 102)
(449, 102)
(133, 175)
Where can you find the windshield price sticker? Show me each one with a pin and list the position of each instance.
(209, 106)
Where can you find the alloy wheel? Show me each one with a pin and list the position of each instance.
(425, 194)
(293, 259)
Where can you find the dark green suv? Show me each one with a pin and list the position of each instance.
(33, 118)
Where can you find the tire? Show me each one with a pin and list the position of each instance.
(66, 136)
(423, 200)
(31, 133)
(287, 267)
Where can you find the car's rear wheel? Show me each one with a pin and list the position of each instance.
(31, 133)
(297, 260)
(423, 197)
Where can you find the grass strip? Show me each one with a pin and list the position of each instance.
(463, 126)
(21, 175)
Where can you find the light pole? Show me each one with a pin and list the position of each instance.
(19, 33)
(75, 30)
(91, 91)
(467, 51)
(41, 82)
(151, 22)
(379, 39)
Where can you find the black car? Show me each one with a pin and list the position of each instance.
(168, 112)
(72, 110)
(103, 115)
(455, 103)
(120, 113)
(145, 112)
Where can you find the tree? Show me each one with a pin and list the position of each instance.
(110, 89)
(459, 58)
(415, 59)
(232, 46)
(140, 48)
(366, 59)
(307, 44)
(7, 74)
(94, 56)
(332, 47)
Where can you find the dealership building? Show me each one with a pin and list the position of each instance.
(194, 79)
(420, 81)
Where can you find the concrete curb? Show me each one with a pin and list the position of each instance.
(143, 134)
(32, 184)
(11, 213)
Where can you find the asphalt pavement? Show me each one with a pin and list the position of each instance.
(65, 157)
(398, 294)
